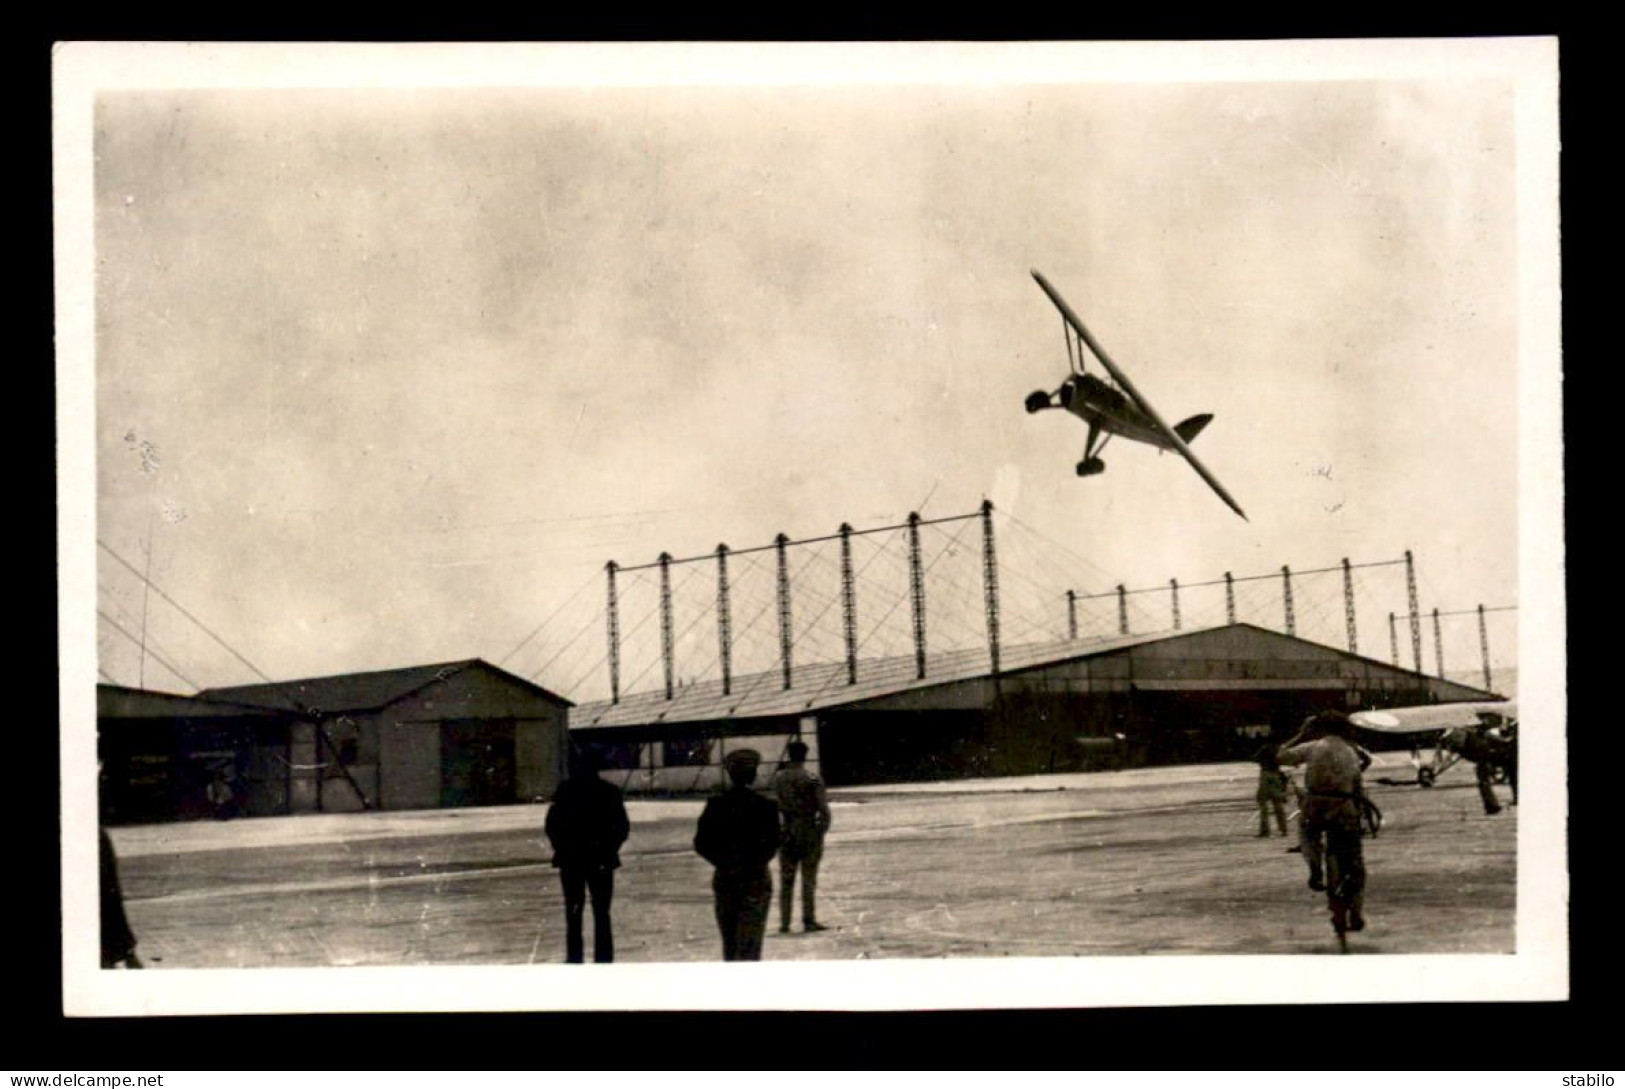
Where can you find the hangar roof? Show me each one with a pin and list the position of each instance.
(824, 684)
(361, 691)
(117, 701)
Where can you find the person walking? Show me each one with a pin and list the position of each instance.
(1334, 808)
(739, 833)
(804, 805)
(587, 824)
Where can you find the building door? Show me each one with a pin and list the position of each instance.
(477, 763)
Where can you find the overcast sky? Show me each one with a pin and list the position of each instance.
(385, 376)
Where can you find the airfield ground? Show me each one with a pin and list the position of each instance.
(1159, 860)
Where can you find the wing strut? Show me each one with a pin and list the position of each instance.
(1128, 387)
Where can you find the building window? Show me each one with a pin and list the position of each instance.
(686, 752)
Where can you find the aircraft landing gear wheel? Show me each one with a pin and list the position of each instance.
(1091, 467)
(1424, 777)
(1037, 401)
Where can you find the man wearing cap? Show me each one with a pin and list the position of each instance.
(739, 834)
(1333, 807)
(804, 804)
(586, 825)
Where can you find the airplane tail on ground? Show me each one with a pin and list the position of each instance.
(1189, 429)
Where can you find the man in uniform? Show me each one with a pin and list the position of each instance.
(586, 825)
(804, 804)
(739, 834)
(1333, 808)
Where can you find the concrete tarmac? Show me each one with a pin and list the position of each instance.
(1156, 860)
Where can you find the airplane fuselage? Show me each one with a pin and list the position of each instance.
(1099, 405)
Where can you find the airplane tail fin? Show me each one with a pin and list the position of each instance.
(1189, 429)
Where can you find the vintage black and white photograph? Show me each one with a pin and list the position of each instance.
(1001, 524)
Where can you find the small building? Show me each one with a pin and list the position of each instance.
(1209, 694)
(160, 751)
(452, 734)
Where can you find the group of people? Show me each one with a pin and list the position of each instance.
(1333, 815)
(740, 832)
(1333, 810)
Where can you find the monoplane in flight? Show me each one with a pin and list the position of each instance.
(1114, 407)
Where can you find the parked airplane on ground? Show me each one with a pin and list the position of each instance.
(1450, 729)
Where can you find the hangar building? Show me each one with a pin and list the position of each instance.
(453, 734)
(1177, 697)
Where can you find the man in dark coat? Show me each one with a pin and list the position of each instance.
(118, 941)
(739, 834)
(1492, 748)
(586, 825)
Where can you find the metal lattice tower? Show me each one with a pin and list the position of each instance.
(849, 605)
(1416, 611)
(786, 640)
(1438, 644)
(666, 650)
(1393, 640)
(1173, 589)
(990, 583)
(1286, 599)
(787, 634)
(1348, 606)
(1484, 649)
(1229, 599)
(724, 622)
(1071, 614)
(916, 586)
(1122, 610)
(614, 616)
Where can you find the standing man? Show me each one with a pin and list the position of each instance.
(739, 834)
(1505, 750)
(1271, 791)
(1472, 744)
(804, 805)
(118, 940)
(586, 825)
(1492, 747)
(1333, 807)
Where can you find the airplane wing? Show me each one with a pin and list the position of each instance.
(1430, 718)
(1145, 406)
